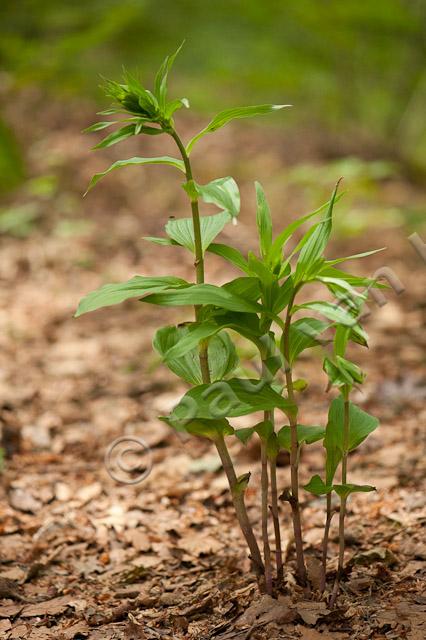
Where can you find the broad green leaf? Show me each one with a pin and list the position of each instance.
(305, 435)
(201, 294)
(244, 287)
(264, 429)
(223, 192)
(182, 230)
(173, 162)
(344, 490)
(361, 424)
(313, 250)
(303, 335)
(221, 351)
(263, 221)
(137, 287)
(339, 283)
(244, 434)
(210, 429)
(317, 486)
(231, 398)
(230, 254)
(226, 116)
(359, 335)
(272, 447)
(331, 311)
(160, 85)
(243, 323)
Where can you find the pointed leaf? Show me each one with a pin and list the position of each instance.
(344, 490)
(210, 429)
(160, 86)
(223, 192)
(331, 311)
(304, 334)
(263, 220)
(182, 230)
(173, 162)
(203, 294)
(226, 116)
(244, 435)
(231, 255)
(231, 398)
(305, 435)
(221, 352)
(317, 486)
(137, 287)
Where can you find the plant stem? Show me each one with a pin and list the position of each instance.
(265, 515)
(294, 451)
(343, 500)
(240, 508)
(328, 519)
(276, 521)
(222, 449)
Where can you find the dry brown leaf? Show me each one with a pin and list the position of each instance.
(52, 607)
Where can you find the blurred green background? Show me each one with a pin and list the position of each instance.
(353, 70)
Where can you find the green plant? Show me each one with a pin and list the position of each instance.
(260, 305)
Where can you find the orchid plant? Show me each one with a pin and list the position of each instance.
(261, 305)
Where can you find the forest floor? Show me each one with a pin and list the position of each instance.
(84, 556)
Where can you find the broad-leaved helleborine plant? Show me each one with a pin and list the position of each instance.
(261, 305)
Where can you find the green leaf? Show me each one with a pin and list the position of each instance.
(282, 239)
(203, 294)
(226, 116)
(354, 281)
(263, 221)
(244, 323)
(174, 105)
(344, 490)
(221, 352)
(305, 435)
(337, 376)
(303, 335)
(161, 241)
(283, 296)
(210, 429)
(98, 126)
(351, 368)
(317, 486)
(223, 192)
(341, 338)
(137, 287)
(173, 162)
(182, 230)
(330, 263)
(244, 287)
(116, 136)
(245, 434)
(361, 424)
(160, 85)
(264, 429)
(312, 251)
(231, 398)
(331, 311)
(231, 255)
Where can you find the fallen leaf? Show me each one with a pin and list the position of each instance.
(23, 501)
(311, 612)
(51, 607)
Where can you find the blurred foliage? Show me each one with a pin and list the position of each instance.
(345, 66)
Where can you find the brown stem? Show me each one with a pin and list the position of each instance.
(275, 519)
(329, 517)
(239, 505)
(294, 451)
(343, 500)
(265, 515)
(237, 496)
